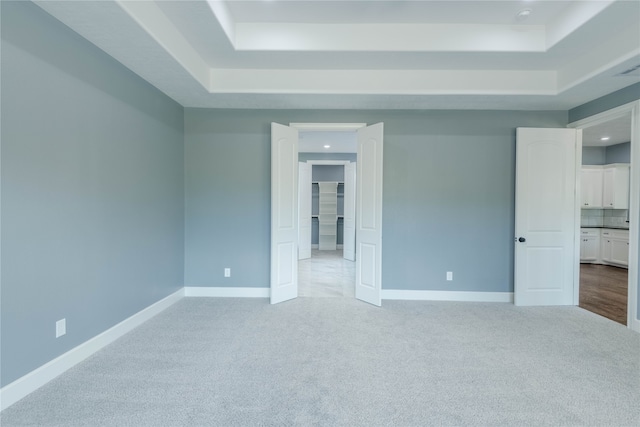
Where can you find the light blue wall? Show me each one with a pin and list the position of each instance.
(448, 200)
(623, 96)
(92, 190)
(327, 173)
(619, 153)
(594, 155)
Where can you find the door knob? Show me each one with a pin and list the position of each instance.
(522, 239)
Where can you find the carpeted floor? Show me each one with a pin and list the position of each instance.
(341, 362)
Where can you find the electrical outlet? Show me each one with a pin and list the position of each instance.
(61, 327)
(227, 272)
(449, 275)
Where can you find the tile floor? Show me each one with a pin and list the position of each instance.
(325, 275)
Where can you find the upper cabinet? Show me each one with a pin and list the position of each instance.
(591, 187)
(605, 186)
(615, 191)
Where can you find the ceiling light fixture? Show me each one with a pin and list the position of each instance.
(605, 138)
(327, 146)
(523, 14)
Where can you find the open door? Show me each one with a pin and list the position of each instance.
(349, 229)
(545, 223)
(369, 215)
(304, 210)
(284, 213)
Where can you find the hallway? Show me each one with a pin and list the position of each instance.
(326, 275)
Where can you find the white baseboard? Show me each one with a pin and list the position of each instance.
(635, 325)
(391, 294)
(35, 379)
(195, 291)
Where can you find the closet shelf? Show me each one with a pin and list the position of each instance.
(328, 216)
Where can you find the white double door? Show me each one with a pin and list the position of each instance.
(285, 180)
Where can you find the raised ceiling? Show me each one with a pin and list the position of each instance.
(368, 54)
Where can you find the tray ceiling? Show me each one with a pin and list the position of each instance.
(368, 54)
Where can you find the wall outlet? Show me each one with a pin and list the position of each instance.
(61, 327)
(449, 275)
(227, 272)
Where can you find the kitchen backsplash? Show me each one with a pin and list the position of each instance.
(604, 218)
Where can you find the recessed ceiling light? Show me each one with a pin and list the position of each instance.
(327, 146)
(523, 14)
(605, 138)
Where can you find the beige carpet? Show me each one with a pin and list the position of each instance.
(341, 362)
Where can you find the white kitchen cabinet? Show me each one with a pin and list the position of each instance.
(614, 247)
(591, 187)
(590, 245)
(615, 186)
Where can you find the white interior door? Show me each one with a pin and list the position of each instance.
(304, 210)
(284, 213)
(349, 228)
(369, 215)
(545, 224)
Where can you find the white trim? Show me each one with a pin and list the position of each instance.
(328, 127)
(577, 211)
(632, 108)
(218, 292)
(329, 162)
(35, 379)
(393, 294)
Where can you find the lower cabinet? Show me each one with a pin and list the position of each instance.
(590, 245)
(614, 247)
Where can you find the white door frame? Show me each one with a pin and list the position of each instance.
(634, 201)
(326, 127)
(305, 221)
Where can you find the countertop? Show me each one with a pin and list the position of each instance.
(604, 226)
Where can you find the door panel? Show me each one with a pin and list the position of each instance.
(304, 208)
(545, 216)
(369, 214)
(284, 213)
(349, 229)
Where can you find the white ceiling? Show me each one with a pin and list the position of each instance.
(618, 131)
(368, 54)
(327, 142)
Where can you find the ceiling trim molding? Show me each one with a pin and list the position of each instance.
(387, 82)
(156, 24)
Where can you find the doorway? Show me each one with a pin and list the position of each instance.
(284, 210)
(607, 284)
(326, 265)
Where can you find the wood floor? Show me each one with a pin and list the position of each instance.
(603, 290)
